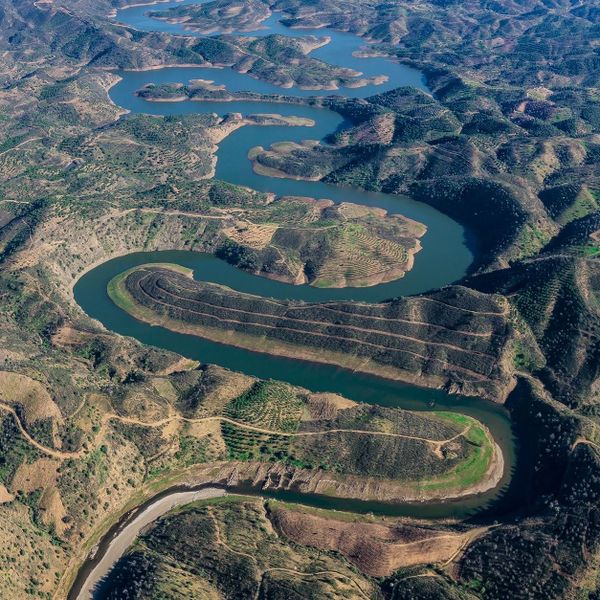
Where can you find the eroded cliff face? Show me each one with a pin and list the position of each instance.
(280, 477)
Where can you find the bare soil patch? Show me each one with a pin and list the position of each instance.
(375, 548)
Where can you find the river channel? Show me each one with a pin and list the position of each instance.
(444, 259)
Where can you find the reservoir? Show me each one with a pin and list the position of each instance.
(445, 258)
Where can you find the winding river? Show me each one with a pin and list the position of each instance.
(445, 258)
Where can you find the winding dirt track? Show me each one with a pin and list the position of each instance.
(34, 442)
(436, 444)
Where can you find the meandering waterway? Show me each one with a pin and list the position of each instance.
(445, 257)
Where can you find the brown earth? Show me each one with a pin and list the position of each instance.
(31, 395)
(377, 549)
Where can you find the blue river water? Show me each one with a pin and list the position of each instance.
(445, 258)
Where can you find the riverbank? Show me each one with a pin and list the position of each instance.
(125, 534)
(257, 324)
(121, 532)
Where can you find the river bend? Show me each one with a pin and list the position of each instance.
(445, 257)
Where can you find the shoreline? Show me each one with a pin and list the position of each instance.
(291, 100)
(360, 82)
(378, 80)
(190, 487)
(113, 13)
(125, 535)
(261, 345)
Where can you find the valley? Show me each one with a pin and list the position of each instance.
(336, 263)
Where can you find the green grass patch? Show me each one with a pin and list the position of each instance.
(472, 470)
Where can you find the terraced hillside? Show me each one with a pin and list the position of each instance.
(324, 244)
(94, 423)
(456, 338)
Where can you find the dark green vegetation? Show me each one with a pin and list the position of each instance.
(507, 144)
(542, 554)
(507, 138)
(456, 337)
(556, 303)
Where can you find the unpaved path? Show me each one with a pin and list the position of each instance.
(162, 422)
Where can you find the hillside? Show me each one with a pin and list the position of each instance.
(455, 338)
(93, 423)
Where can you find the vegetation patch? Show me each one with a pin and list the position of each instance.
(228, 549)
(394, 337)
(268, 404)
